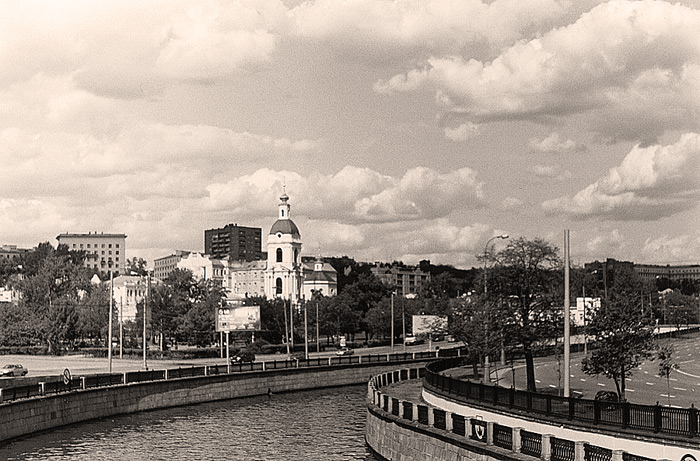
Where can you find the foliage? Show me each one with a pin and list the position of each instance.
(666, 365)
(527, 276)
(623, 338)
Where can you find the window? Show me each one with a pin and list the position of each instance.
(88, 245)
(278, 286)
(279, 255)
(103, 245)
(117, 245)
(81, 246)
(110, 245)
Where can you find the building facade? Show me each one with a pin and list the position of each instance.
(405, 280)
(12, 253)
(104, 252)
(247, 279)
(319, 278)
(204, 267)
(162, 267)
(677, 272)
(238, 243)
(129, 290)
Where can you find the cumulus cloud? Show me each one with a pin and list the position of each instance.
(356, 194)
(628, 58)
(367, 28)
(550, 172)
(650, 183)
(555, 144)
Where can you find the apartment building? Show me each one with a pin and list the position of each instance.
(104, 252)
(238, 243)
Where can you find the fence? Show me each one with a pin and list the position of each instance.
(623, 415)
(105, 379)
(515, 439)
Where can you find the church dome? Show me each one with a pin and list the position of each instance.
(285, 226)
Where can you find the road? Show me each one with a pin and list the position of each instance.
(643, 387)
(79, 365)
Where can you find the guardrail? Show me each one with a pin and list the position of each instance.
(480, 431)
(623, 415)
(113, 379)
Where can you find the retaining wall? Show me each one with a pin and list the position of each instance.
(26, 416)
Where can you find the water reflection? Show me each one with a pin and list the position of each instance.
(325, 424)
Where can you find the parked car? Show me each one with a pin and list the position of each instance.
(345, 351)
(413, 340)
(13, 370)
(243, 357)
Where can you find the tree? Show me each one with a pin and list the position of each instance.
(527, 277)
(666, 365)
(623, 340)
(136, 266)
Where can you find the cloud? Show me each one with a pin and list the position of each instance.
(128, 49)
(462, 132)
(550, 172)
(630, 65)
(670, 249)
(354, 194)
(371, 29)
(554, 144)
(650, 183)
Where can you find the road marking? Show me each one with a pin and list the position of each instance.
(650, 384)
(673, 379)
(629, 390)
(668, 396)
(601, 384)
(679, 389)
(552, 385)
(583, 379)
(538, 381)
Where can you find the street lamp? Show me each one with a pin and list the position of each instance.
(487, 366)
(486, 250)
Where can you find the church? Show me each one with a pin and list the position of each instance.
(283, 274)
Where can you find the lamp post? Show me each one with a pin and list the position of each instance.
(392, 322)
(487, 367)
(486, 250)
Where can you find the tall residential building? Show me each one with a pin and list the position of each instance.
(162, 267)
(236, 242)
(104, 252)
(406, 280)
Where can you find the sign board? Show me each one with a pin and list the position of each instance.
(425, 324)
(240, 318)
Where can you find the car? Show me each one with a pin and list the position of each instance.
(243, 357)
(345, 351)
(413, 341)
(13, 370)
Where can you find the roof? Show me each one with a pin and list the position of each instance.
(91, 234)
(285, 226)
(320, 276)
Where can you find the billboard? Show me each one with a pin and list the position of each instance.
(229, 318)
(425, 324)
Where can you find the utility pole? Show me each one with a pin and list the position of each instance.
(111, 307)
(146, 303)
(567, 317)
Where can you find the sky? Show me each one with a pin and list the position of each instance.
(401, 130)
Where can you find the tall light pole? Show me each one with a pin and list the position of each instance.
(486, 251)
(392, 322)
(567, 316)
(487, 367)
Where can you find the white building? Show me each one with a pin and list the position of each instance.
(321, 278)
(162, 267)
(129, 290)
(583, 310)
(203, 267)
(246, 279)
(284, 273)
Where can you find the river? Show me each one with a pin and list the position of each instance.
(324, 424)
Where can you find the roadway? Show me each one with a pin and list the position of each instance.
(645, 386)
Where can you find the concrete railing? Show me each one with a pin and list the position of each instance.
(471, 434)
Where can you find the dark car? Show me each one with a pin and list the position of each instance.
(607, 398)
(13, 370)
(243, 357)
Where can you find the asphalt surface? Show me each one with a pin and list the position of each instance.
(79, 365)
(645, 386)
